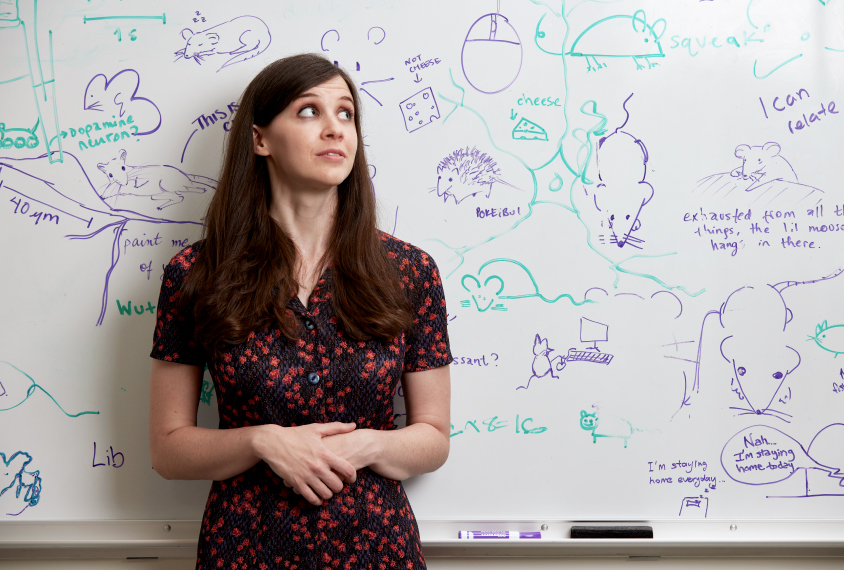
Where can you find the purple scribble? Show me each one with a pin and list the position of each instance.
(241, 38)
(622, 191)
(764, 178)
(383, 34)
(116, 91)
(419, 110)
(675, 297)
(629, 295)
(186, 146)
(322, 39)
(543, 364)
(586, 293)
(488, 57)
(92, 208)
(763, 455)
(754, 321)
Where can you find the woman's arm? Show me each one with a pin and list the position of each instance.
(181, 450)
(420, 447)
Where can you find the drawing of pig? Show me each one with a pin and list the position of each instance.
(762, 164)
(609, 426)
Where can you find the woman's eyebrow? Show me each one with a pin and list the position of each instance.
(315, 96)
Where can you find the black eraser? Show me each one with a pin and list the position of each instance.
(612, 532)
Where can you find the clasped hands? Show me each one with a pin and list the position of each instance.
(316, 460)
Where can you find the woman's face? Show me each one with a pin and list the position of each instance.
(311, 144)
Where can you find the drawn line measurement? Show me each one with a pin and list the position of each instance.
(162, 17)
(88, 222)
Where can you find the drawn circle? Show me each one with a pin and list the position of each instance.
(7, 143)
(805, 36)
(492, 54)
(31, 142)
(20, 142)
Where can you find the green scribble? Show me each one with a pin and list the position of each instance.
(30, 141)
(586, 139)
(776, 68)
(833, 49)
(25, 76)
(36, 76)
(638, 18)
(162, 17)
(31, 390)
(536, 292)
(827, 336)
(748, 15)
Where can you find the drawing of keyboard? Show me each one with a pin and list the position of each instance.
(588, 356)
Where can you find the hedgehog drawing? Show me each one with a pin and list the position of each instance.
(466, 173)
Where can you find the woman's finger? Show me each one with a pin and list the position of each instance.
(343, 468)
(333, 428)
(321, 492)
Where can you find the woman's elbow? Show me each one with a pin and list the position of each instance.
(157, 456)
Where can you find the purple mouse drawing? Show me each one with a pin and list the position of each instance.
(762, 164)
(242, 38)
(160, 183)
(543, 364)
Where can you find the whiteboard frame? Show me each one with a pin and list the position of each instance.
(712, 539)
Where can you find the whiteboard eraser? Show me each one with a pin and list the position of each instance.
(612, 532)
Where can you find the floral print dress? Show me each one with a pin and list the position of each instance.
(253, 520)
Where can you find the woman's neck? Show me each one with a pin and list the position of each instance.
(308, 218)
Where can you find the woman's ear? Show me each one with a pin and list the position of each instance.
(258, 146)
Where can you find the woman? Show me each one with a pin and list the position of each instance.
(307, 317)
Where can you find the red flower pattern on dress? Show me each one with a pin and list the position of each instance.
(253, 520)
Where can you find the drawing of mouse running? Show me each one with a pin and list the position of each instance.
(543, 364)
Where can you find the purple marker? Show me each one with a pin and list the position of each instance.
(499, 534)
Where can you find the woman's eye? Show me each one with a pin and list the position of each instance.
(307, 112)
(345, 114)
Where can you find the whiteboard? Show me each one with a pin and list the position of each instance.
(636, 207)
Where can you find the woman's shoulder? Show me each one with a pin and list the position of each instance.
(181, 263)
(409, 258)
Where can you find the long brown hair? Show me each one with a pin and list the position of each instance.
(245, 274)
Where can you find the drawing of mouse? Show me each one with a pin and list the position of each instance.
(466, 173)
(242, 38)
(543, 364)
(374, 36)
(757, 317)
(622, 191)
(754, 321)
(828, 337)
(120, 96)
(156, 182)
(485, 297)
(606, 426)
(762, 164)
(620, 36)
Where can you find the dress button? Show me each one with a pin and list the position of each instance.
(313, 378)
(309, 324)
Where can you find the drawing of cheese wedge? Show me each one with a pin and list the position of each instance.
(529, 131)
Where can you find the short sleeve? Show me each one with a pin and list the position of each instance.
(427, 344)
(174, 339)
